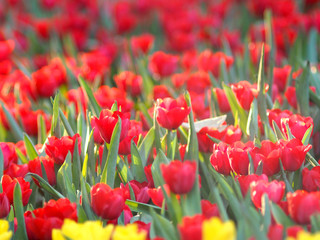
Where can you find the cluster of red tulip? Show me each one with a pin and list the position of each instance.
(165, 114)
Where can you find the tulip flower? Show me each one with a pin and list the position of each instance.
(106, 202)
(171, 113)
(9, 154)
(129, 82)
(8, 185)
(302, 205)
(162, 64)
(107, 122)
(293, 153)
(219, 158)
(40, 222)
(209, 209)
(142, 43)
(238, 157)
(191, 227)
(311, 179)
(140, 191)
(275, 191)
(269, 153)
(48, 163)
(180, 176)
(58, 149)
(4, 205)
(245, 181)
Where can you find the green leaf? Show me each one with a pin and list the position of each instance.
(124, 171)
(312, 46)
(155, 168)
(46, 186)
(64, 179)
(302, 91)
(163, 227)
(262, 106)
(30, 149)
(146, 146)
(109, 170)
(285, 179)
(21, 156)
(21, 232)
(141, 207)
(55, 114)
(93, 103)
(266, 212)
(76, 166)
(315, 223)
(136, 165)
(66, 124)
(280, 216)
(236, 109)
(86, 202)
(42, 132)
(307, 135)
(252, 124)
(14, 127)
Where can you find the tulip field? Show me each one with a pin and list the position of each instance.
(160, 119)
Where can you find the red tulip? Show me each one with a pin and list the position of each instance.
(209, 209)
(6, 48)
(171, 113)
(280, 77)
(106, 202)
(311, 179)
(96, 134)
(9, 154)
(142, 43)
(222, 99)
(180, 176)
(160, 91)
(15, 170)
(8, 185)
(245, 93)
(275, 232)
(48, 163)
(129, 82)
(58, 149)
(293, 153)
(298, 125)
(140, 191)
(148, 173)
(209, 61)
(133, 135)
(219, 158)
(107, 96)
(245, 181)
(157, 195)
(302, 205)
(275, 191)
(191, 227)
(162, 64)
(198, 82)
(4, 205)
(238, 157)
(40, 222)
(269, 153)
(108, 120)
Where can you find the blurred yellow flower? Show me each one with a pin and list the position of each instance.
(5, 234)
(129, 231)
(86, 231)
(302, 235)
(215, 229)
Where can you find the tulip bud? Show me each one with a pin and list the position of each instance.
(171, 113)
(4, 205)
(106, 202)
(180, 176)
